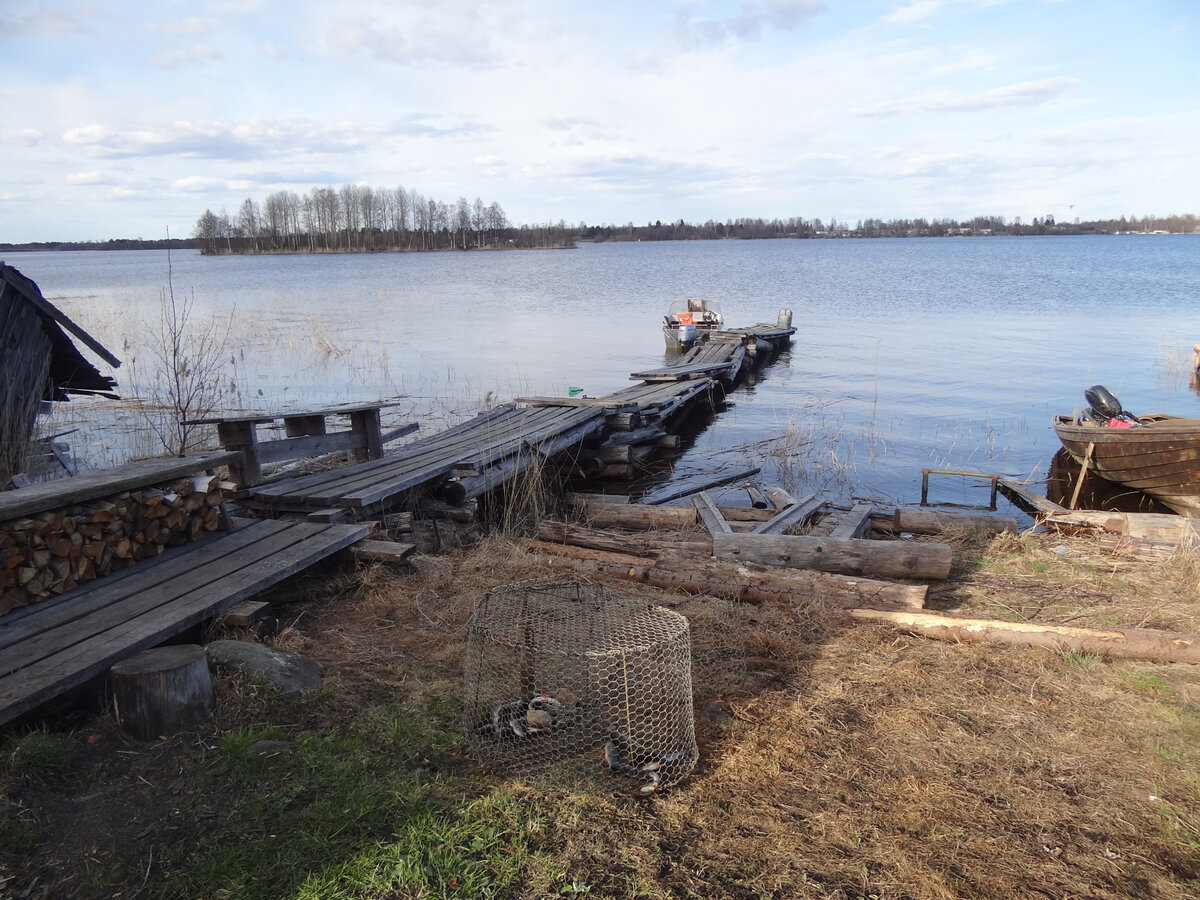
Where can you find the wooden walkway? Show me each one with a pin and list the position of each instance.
(722, 356)
(483, 452)
(51, 647)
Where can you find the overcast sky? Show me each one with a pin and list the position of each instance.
(123, 118)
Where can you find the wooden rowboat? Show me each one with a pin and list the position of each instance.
(1159, 456)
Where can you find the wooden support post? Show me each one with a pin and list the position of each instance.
(242, 437)
(1087, 460)
(365, 425)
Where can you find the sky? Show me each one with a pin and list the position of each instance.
(121, 118)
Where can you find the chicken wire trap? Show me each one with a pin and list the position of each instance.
(568, 676)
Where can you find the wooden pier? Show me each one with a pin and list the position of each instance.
(53, 646)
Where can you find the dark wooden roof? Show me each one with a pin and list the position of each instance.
(70, 373)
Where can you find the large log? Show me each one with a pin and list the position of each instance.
(1159, 646)
(683, 571)
(928, 521)
(572, 552)
(880, 559)
(162, 691)
(631, 544)
(1146, 526)
(641, 518)
(757, 584)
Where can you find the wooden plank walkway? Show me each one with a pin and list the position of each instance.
(470, 449)
(51, 647)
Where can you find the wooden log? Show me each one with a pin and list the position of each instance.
(882, 559)
(1147, 526)
(646, 544)
(928, 521)
(758, 584)
(780, 498)
(572, 552)
(757, 499)
(162, 691)
(640, 518)
(1159, 646)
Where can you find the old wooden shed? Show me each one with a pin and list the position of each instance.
(38, 362)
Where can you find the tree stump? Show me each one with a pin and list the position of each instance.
(162, 691)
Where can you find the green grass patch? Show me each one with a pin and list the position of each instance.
(42, 755)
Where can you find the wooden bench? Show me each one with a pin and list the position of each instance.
(48, 648)
(307, 433)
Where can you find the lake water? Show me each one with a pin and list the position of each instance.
(942, 353)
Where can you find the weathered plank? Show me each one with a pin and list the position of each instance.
(103, 482)
(854, 523)
(692, 484)
(710, 515)
(86, 647)
(791, 515)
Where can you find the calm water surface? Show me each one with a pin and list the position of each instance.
(946, 353)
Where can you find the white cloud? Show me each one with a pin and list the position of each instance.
(86, 134)
(87, 178)
(1026, 93)
(274, 50)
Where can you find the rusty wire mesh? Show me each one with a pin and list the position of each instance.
(569, 677)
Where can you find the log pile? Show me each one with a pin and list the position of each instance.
(52, 552)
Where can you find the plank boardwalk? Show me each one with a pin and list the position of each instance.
(51, 647)
(485, 442)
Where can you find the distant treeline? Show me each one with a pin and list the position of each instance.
(759, 229)
(114, 244)
(357, 218)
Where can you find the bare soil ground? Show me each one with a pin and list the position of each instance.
(837, 760)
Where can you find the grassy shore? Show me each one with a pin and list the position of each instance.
(837, 760)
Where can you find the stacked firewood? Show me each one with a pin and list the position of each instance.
(52, 552)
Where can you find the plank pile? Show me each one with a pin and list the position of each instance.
(51, 552)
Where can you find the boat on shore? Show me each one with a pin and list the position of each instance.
(1157, 454)
(688, 322)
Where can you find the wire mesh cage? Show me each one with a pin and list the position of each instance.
(569, 677)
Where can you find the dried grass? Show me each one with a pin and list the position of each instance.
(849, 761)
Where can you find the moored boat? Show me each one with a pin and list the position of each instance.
(689, 321)
(1156, 453)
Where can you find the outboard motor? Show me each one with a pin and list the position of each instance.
(1106, 409)
(1102, 401)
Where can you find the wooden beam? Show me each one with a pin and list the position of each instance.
(1160, 646)
(382, 551)
(855, 523)
(791, 515)
(710, 515)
